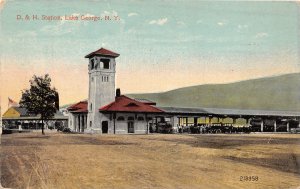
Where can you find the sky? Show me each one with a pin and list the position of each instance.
(163, 44)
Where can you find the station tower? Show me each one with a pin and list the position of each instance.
(102, 71)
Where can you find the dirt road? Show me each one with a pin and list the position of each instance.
(150, 161)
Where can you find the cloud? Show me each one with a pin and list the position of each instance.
(109, 13)
(160, 21)
(261, 35)
(132, 14)
(245, 26)
(113, 14)
(221, 23)
(199, 22)
(241, 27)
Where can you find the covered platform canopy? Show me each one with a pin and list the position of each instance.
(259, 120)
(227, 112)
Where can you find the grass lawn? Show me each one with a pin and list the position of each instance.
(56, 160)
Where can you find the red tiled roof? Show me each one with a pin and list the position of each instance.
(79, 107)
(126, 104)
(103, 52)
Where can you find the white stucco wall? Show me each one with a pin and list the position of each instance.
(140, 127)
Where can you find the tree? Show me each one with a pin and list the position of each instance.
(40, 99)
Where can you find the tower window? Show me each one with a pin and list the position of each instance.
(92, 64)
(90, 123)
(91, 106)
(105, 63)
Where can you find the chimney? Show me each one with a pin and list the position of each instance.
(118, 92)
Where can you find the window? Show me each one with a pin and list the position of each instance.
(140, 118)
(91, 106)
(105, 63)
(104, 78)
(92, 64)
(121, 118)
(90, 123)
(130, 118)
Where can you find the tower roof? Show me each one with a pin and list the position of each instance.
(103, 52)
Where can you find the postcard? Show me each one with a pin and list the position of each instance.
(150, 94)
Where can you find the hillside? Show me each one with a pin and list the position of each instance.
(271, 93)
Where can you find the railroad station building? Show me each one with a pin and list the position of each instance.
(108, 111)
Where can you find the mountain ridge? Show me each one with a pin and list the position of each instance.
(269, 93)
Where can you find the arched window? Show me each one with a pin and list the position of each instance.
(121, 118)
(140, 118)
(130, 118)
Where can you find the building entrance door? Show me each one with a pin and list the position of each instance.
(104, 127)
(130, 127)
